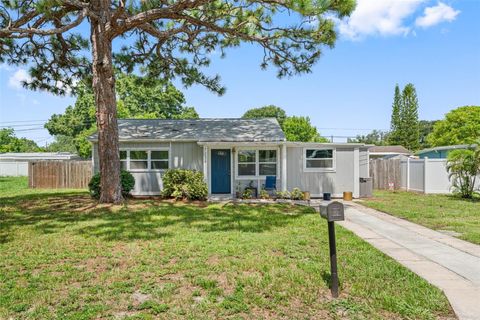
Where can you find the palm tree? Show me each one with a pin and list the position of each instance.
(464, 167)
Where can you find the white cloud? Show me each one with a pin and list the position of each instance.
(379, 17)
(17, 79)
(436, 14)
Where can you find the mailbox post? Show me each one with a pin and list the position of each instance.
(333, 211)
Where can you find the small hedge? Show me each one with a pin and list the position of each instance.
(126, 179)
(184, 184)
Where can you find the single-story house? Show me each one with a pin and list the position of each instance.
(440, 152)
(16, 163)
(235, 153)
(389, 152)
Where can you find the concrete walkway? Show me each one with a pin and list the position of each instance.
(450, 264)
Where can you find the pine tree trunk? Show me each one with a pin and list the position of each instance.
(106, 113)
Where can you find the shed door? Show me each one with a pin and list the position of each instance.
(220, 169)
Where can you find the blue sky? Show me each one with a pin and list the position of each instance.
(435, 45)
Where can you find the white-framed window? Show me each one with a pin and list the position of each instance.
(316, 159)
(257, 162)
(144, 159)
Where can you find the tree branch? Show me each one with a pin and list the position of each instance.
(12, 32)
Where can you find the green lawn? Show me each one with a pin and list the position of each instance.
(63, 257)
(438, 212)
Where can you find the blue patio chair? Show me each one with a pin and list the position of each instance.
(270, 183)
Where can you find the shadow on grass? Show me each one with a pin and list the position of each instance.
(77, 213)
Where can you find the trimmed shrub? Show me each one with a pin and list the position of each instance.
(296, 194)
(247, 194)
(184, 184)
(283, 194)
(264, 194)
(126, 180)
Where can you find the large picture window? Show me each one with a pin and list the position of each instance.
(142, 160)
(257, 163)
(319, 159)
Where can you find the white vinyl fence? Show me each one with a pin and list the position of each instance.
(13, 169)
(420, 175)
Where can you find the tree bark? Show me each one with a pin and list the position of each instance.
(106, 112)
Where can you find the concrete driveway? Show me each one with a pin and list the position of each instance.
(451, 264)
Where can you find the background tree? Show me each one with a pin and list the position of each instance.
(300, 129)
(460, 126)
(10, 143)
(137, 97)
(62, 144)
(395, 122)
(295, 128)
(269, 111)
(409, 131)
(376, 137)
(425, 127)
(165, 38)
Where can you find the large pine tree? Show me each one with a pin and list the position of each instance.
(410, 134)
(395, 122)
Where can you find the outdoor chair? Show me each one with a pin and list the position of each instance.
(270, 185)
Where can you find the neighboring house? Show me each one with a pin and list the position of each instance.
(233, 153)
(16, 163)
(440, 152)
(389, 152)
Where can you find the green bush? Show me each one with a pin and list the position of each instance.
(283, 194)
(264, 194)
(296, 194)
(247, 194)
(126, 179)
(184, 184)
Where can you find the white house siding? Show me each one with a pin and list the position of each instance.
(185, 155)
(336, 182)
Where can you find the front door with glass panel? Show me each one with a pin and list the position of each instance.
(220, 168)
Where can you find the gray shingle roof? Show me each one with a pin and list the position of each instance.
(204, 130)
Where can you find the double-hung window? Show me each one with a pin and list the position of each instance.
(247, 160)
(144, 160)
(319, 159)
(254, 163)
(267, 162)
(159, 160)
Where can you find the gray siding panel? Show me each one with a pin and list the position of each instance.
(185, 155)
(319, 182)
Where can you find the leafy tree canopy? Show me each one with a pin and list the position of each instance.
(62, 144)
(460, 126)
(295, 128)
(425, 128)
(300, 129)
(376, 137)
(269, 111)
(10, 143)
(137, 98)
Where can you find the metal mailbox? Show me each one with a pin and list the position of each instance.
(332, 211)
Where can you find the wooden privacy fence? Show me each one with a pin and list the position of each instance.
(385, 172)
(59, 174)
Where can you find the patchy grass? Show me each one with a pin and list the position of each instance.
(63, 257)
(438, 212)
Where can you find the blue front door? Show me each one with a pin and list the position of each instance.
(220, 168)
